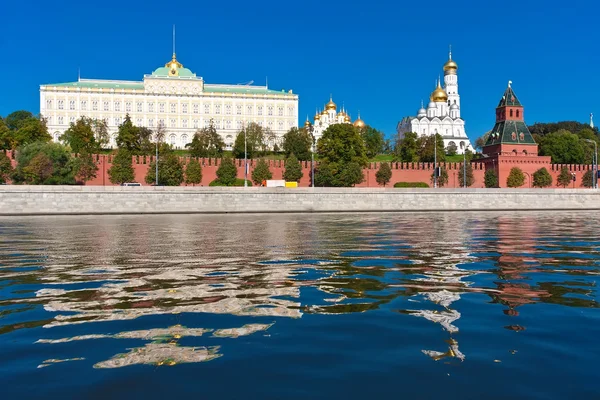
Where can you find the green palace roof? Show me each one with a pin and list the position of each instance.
(100, 84)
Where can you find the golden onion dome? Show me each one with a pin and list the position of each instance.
(341, 114)
(347, 118)
(324, 112)
(317, 116)
(439, 95)
(359, 123)
(307, 123)
(450, 67)
(331, 105)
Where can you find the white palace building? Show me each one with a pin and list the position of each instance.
(172, 96)
(442, 115)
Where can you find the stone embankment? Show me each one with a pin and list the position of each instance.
(76, 200)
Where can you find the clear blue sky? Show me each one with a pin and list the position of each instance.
(381, 57)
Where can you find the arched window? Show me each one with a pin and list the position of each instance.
(462, 145)
(184, 140)
(173, 140)
(511, 112)
(517, 113)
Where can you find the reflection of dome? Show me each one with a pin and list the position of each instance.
(439, 95)
(331, 105)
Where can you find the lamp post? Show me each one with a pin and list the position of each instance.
(312, 156)
(159, 136)
(435, 160)
(465, 168)
(245, 157)
(594, 164)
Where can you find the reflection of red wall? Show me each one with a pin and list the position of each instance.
(401, 172)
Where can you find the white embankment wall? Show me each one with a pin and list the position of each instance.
(48, 200)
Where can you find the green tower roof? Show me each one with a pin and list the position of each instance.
(509, 99)
(510, 132)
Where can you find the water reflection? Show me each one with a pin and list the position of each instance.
(91, 279)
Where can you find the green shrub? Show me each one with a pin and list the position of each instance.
(238, 182)
(411, 185)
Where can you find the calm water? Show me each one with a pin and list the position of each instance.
(459, 306)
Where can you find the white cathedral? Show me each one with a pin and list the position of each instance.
(442, 115)
(330, 116)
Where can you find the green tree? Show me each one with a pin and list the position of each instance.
(170, 170)
(480, 142)
(86, 135)
(426, 148)
(135, 139)
(490, 178)
(384, 174)
(587, 179)
(299, 142)
(6, 138)
(516, 178)
(121, 170)
(257, 139)
(373, 140)
(451, 149)
(293, 169)
(564, 178)
(52, 167)
(206, 143)
(543, 129)
(470, 176)
(442, 180)
(261, 172)
(84, 167)
(227, 172)
(193, 172)
(342, 151)
(6, 168)
(23, 128)
(407, 148)
(563, 147)
(542, 178)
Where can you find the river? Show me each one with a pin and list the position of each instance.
(297, 306)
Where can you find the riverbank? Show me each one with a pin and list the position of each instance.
(75, 200)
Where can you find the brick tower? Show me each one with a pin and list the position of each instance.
(510, 143)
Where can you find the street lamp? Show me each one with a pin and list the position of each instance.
(465, 168)
(245, 157)
(159, 136)
(310, 129)
(435, 160)
(594, 164)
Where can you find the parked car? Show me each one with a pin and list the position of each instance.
(131, 184)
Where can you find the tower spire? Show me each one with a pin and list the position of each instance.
(173, 40)
(592, 120)
(450, 53)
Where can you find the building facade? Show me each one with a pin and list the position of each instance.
(442, 115)
(172, 96)
(330, 116)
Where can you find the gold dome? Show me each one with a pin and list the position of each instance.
(359, 123)
(341, 114)
(347, 118)
(307, 123)
(324, 112)
(439, 95)
(317, 116)
(331, 105)
(450, 67)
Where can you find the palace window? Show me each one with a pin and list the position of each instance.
(151, 123)
(117, 106)
(260, 123)
(184, 123)
(196, 111)
(117, 121)
(173, 140)
(195, 124)
(184, 140)
(270, 124)
(173, 107)
(228, 109)
(280, 125)
(71, 104)
(291, 111)
(173, 123)
(239, 125)
(161, 123)
(206, 123)
(161, 107)
(249, 110)
(95, 105)
(260, 110)
(61, 104)
(60, 120)
(140, 107)
(238, 110)
(106, 106)
(217, 109)
(128, 107)
(151, 107)
(48, 104)
(184, 108)
(138, 122)
(206, 108)
(228, 124)
(270, 110)
(84, 105)
(280, 111)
